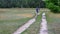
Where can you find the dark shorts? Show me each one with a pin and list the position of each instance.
(37, 11)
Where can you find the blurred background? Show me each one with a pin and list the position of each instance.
(15, 13)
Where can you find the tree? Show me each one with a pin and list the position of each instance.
(53, 5)
(19, 3)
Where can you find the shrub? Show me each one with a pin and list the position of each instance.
(54, 8)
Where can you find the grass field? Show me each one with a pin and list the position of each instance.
(53, 23)
(35, 27)
(12, 19)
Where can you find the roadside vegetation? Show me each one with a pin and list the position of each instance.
(53, 23)
(53, 5)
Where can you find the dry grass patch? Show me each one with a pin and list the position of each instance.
(25, 15)
(54, 15)
(3, 16)
(15, 16)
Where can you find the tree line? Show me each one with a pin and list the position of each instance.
(19, 3)
(54, 5)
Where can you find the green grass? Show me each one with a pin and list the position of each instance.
(53, 23)
(35, 27)
(8, 27)
(10, 22)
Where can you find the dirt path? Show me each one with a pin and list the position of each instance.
(24, 27)
(43, 25)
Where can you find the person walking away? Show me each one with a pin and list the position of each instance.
(37, 11)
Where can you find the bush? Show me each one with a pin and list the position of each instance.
(50, 5)
(54, 8)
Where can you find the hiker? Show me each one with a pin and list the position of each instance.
(37, 11)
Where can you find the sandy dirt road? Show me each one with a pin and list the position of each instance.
(24, 27)
(43, 28)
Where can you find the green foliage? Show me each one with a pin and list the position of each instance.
(53, 5)
(19, 3)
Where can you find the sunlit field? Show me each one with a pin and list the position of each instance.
(53, 22)
(12, 19)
